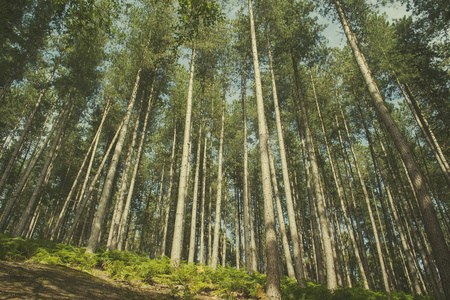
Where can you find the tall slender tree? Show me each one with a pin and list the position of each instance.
(441, 251)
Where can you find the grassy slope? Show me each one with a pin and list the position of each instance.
(69, 272)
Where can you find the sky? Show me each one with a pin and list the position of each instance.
(335, 34)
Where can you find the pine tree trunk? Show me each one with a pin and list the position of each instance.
(210, 189)
(7, 140)
(321, 207)
(340, 194)
(210, 216)
(237, 231)
(248, 250)
(369, 208)
(29, 169)
(273, 277)
(318, 258)
(93, 148)
(169, 192)
(254, 252)
(118, 206)
(23, 134)
(107, 187)
(411, 219)
(425, 128)
(224, 230)
(192, 243)
(441, 251)
(400, 229)
(157, 213)
(202, 258)
(281, 224)
(285, 171)
(215, 249)
(178, 234)
(124, 216)
(20, 227)
(83, 199)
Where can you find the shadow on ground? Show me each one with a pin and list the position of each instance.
(35, 281)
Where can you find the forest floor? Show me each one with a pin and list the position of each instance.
(19, 280)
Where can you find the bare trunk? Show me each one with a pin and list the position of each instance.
(224, 230)
(20, 227)
(169, 192)
(237, 231)
(178, 234)
(92, 147)
(248, 251)
(83, 200)
(285, 171)
(107, 187)
(121, 227)
(29, 169)
(425, 128)
(202, 259)
(192, 243)
(369, 209)
(406, 249)
(118, 206)
(281, 224)
(23, 134)
(321, 206)
(273, 277)
(341, 195)
(254, 252)
(441, 251)
(317, 252)
(215, 250)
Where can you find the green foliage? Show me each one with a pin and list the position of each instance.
(17, 249)
(185, 281)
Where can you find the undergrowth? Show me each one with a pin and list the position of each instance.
(185, 281)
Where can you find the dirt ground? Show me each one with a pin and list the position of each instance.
(36, 281)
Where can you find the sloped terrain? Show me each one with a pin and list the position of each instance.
(20, 280)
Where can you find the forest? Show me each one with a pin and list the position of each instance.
(229, 133)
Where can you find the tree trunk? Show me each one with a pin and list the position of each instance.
(321, 206)
(123, 219)
(23, 134)
(192, 243)
(20, 227)
(237, 232)
(369, 210)
(248, 251)
(425, 128)
(340, 195)
(82, 199)
(215, 249)
(29, 169)
(285, 171)
(400, 229)
(107, 187)
(317, 249)
(441, 251)
(224, 230)
(93, 148)
(178, 234)
(202, 258)
(253, 248)
(281, 224)
(273, 277)
(118, 206)
(7, 140)
(169, 192)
